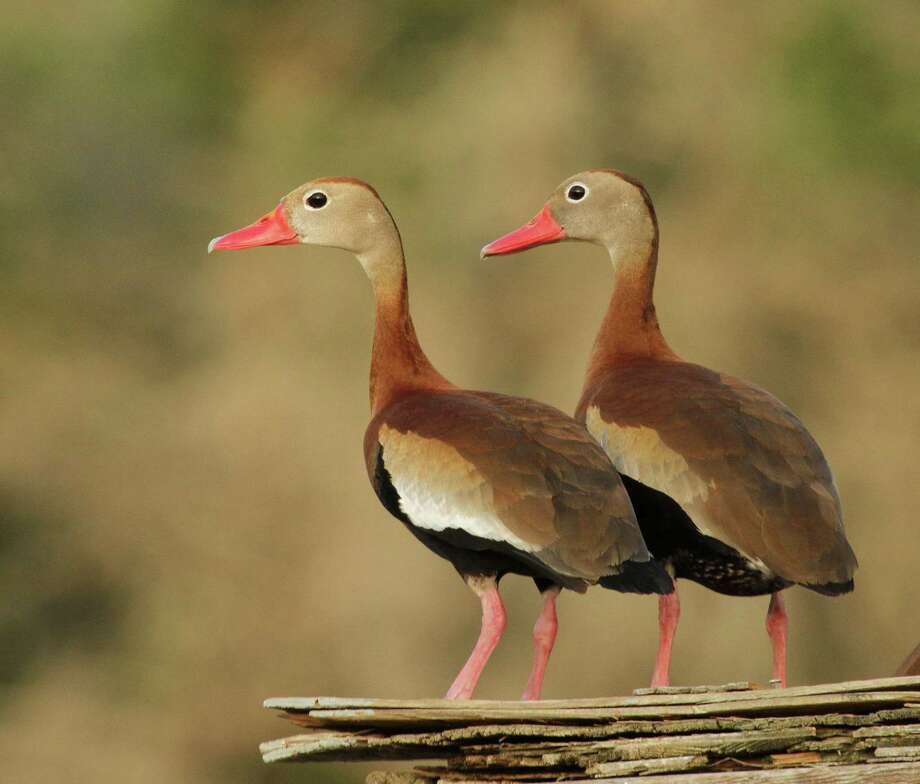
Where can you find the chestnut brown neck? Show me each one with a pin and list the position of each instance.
(630, 330)
(398, 364)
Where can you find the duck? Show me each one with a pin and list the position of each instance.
(731, 490)
(491, 483)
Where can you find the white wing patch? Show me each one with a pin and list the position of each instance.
(439, 489)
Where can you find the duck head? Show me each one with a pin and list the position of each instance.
(335, 212)
(602, 206)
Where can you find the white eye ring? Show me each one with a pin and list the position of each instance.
(316, 203)
(568, 190)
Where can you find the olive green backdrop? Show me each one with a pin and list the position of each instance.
(185, 523)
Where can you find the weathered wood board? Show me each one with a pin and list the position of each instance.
(866, 731)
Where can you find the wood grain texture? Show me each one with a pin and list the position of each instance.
(661, 697)
(828, 734)
(445, 717)
(647, 767)
(847, 774)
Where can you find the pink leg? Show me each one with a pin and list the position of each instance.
(493, 624)
(777, 627)
(544, 637)
(668, 615)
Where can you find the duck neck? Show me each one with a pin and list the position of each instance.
(398, 364)
(630, 330)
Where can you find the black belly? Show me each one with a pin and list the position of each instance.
(672, 538)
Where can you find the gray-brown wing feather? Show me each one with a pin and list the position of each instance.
(737, 460)
(510, 469)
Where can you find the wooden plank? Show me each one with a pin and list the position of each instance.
(833, 733)
(722, 744)
(648, 767)
(891, 773)
(737, 686)
(323, 744)
(339, 747)
(669, 726)
(583, 756)
(775, 703)
(397, 777)
(887, 731)
(894, 773)
(898, 751)
(832, 743)
(795, 758)
(344, 745)
(303, 704)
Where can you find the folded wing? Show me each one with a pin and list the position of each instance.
(512, 471)
(737, 460)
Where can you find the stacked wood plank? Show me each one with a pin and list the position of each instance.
(859, 731)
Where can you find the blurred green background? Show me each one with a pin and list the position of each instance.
(186, 527)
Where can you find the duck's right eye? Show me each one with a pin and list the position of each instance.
(316, 200)
(576, 192)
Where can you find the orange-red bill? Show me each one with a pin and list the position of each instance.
(271, 229)
(540, 230)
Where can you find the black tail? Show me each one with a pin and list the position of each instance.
(830, 589)
(639, 577)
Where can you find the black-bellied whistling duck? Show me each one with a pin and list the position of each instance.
(730, 489)
(492, 483)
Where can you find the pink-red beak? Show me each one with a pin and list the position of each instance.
(540, 230)
(271, 229)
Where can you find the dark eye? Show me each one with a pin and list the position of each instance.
(576, 192)
(316, 200)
